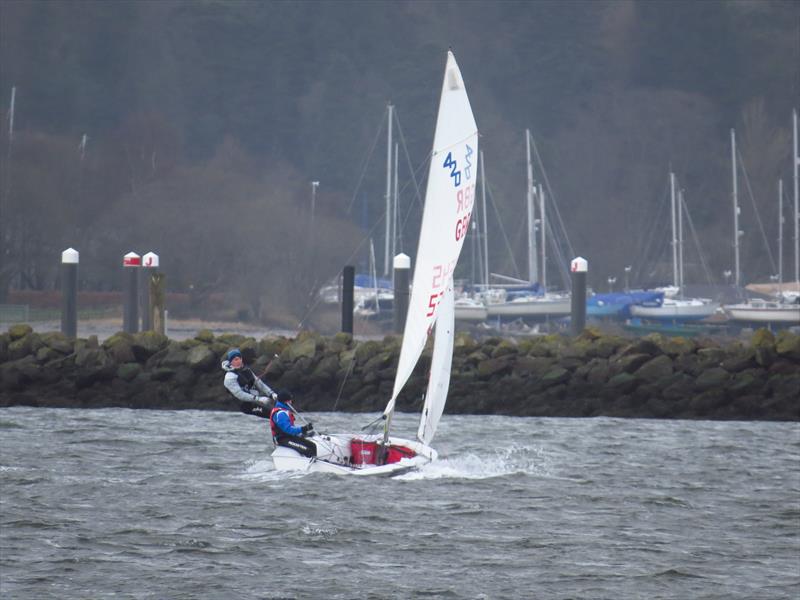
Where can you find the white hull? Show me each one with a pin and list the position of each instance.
(764, 312)
(330, 294)
(676, 309)
(334, 456)
(532, 306)
(470, 310)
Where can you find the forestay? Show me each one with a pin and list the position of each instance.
(445, 219)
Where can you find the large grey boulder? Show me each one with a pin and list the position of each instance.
(19, 331)
(532, 366)
(302, 347)
(555, 376)
(494, 367)
(655, 369)
(58, 341)
(628, 363)
(174, 357)
(120, 347)
(787, 346)
(622, 383)
(146, 344)
(21, 347)
(201, 358)
(714, 378)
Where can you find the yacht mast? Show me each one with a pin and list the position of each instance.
(388, 219)
(395, 204)
(373, 272)
(780, 235)
(796, 203)
(11, 118)
(736, 232)
(674, 229)
(680, 242)
(544, 246)
(485, 226)
(533, 268)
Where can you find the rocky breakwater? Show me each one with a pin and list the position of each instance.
(590, 375)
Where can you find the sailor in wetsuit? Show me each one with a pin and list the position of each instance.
(255, 395)
(285, 432)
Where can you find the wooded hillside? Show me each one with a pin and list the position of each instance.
(206, 121)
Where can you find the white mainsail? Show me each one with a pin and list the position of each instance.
(445, 219)
(441, 362)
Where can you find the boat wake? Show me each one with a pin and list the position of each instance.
(264, 470)
(502, 462)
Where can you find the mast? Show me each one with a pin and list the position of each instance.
(544, 246)
(674, 229)
(395, 204)
(388, 192)
(780, 235)
(736, 232)
(796, 204)
(485, 226)
(680, 242)
(373, 272)
(533, 269)
(11, 118)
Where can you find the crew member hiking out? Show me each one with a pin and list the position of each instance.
(285, 432)
(255, 395)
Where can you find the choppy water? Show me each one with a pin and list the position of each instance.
(144, 504)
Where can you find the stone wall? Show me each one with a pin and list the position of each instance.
(590, 375)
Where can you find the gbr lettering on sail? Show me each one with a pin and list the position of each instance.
(459, 164)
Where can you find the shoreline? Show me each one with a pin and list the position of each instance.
(594, 374)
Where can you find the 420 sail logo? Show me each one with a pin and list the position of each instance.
(455, 174)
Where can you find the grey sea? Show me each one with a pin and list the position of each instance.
(120, 503)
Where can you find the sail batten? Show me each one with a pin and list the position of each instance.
(449, 198)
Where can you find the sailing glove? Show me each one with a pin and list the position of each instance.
(274, 395)
(307, 428)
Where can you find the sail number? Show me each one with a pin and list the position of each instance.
(433, 302)
(441, 274)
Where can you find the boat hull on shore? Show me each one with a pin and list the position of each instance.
(469, 309)
(762, 311)
(676, 310)
(532, 306)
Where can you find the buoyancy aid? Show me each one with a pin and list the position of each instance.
(246, 378)
(273, 426)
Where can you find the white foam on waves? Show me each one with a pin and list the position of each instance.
(496, 462)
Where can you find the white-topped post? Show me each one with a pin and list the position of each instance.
(69, 292)
(579, 267)
(402, 270)
(149, 268)
(348, 283)
(130, 292)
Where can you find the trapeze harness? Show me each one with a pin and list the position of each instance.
(281, 438)
(247, 381)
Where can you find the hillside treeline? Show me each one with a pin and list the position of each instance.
(206, 122)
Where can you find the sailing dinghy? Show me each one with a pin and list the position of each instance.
(445, 221)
